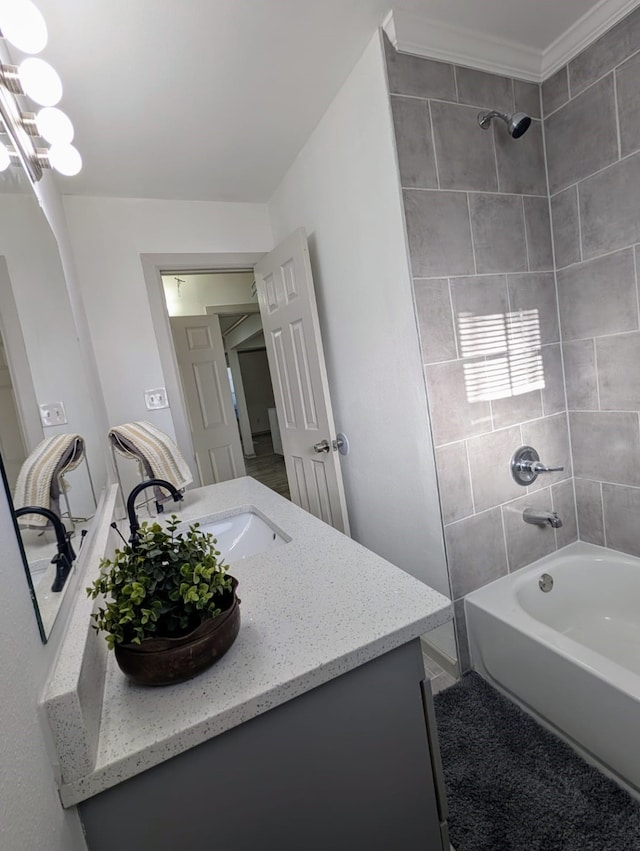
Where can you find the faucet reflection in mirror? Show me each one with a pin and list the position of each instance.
(65, 555)
(32, 81)
(40, 488)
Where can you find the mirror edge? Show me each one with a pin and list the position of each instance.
(23, 555)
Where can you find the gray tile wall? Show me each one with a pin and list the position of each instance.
(592, 128)
(478, 226)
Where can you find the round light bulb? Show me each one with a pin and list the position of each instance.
(5, 159)
(54, 126)
(40, 81)
(23, 25)
(66, 159)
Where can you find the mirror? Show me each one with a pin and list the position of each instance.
(41, 365)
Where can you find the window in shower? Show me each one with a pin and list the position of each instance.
(502, 354)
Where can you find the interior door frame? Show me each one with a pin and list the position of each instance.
(153, 267)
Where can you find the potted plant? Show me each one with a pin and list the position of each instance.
(170, 608)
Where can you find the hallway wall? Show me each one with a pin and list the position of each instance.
(108, 236)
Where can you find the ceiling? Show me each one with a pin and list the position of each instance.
(213, 99)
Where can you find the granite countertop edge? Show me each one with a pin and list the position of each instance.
(121, 757)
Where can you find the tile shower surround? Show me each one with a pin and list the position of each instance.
(478, 227)
(477, 208)
(595, 205)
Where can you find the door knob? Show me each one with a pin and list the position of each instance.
(323, 446)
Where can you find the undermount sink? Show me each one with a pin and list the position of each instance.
(242, 535)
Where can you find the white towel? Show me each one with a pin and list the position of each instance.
(158, 454)
(38, 480)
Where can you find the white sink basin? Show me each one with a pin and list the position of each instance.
(242, 535)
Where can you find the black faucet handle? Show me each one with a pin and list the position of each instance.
(177, 497)
(63, 568)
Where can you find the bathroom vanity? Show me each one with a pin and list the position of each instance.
(315, 731)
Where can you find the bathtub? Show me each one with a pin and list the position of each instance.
(571, 656)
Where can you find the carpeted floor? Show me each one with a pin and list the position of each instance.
(513, 786)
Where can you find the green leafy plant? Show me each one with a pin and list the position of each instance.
(164, 587)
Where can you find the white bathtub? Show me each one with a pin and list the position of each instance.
(571, 656)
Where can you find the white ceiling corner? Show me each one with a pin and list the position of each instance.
(584, 32)
(413, 32)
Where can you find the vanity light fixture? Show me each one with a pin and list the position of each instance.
(22, 24)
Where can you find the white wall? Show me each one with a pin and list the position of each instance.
(344, 189)
(197, 292)
(108, 236)
(50, 337)
(31, 816)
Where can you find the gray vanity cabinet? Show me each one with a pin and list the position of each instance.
(351, 765)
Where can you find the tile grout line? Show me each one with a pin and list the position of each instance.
(526, 238)
(495, 157)
(617, 112)
(473, 243)
(433, 144)
(579, 215)
(504, 539)
(453, 323)
(490, 191)
(597, 374)
(635, 268)
(473, 497)
(558, 314)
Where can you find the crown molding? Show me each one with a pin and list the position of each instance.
(421, 36)
(584, 32)
(412, 33)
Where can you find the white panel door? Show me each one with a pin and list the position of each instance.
(299, 376)
(203, 370)
(11, 443)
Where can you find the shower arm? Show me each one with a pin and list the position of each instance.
(484, 118)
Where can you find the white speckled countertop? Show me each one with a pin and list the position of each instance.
(311, 610)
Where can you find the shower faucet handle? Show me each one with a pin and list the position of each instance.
(526, 466)
(539, 467)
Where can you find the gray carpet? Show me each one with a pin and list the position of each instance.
(513, 786)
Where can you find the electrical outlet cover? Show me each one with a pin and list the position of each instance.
(156, 399)
(53, 414)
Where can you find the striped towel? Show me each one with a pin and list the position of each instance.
(39, 478)
(158, 454)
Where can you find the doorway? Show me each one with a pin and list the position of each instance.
(224, 374)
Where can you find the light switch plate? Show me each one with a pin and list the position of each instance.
(53, 414)
(156, 399)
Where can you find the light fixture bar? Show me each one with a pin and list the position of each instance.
(20, 139)
(33, 80)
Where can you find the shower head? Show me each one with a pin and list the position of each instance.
(517, 122)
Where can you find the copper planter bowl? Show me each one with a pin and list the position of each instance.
(164, 661)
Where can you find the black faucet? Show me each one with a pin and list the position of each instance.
(131, 508)
(65, 556)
